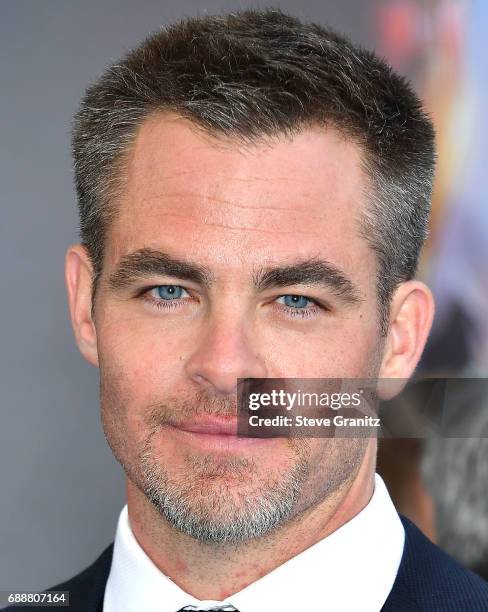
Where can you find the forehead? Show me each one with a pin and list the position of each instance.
(225, 203)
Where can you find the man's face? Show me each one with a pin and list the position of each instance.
(228, 262)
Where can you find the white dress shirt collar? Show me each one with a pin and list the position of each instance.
(352, 569)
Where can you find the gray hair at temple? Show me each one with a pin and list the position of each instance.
(257, 74)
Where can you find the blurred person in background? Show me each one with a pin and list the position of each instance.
(455, 473)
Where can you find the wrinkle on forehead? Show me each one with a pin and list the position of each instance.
(240, 228)
(188, 196)
(304, 190)
(225, 175)
(164, 147)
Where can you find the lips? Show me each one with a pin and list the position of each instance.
(210, 425)
(216, 434)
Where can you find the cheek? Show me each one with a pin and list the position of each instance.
(142, 355)
(137, 369)
(342, 349)
(351, 351)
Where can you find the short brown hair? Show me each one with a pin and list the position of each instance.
(257, 73)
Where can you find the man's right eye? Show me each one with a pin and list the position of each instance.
(168, 292)
(165, 297)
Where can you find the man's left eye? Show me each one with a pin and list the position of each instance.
(169, 292)
(295, 301)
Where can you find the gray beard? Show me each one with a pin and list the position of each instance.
(205, 508)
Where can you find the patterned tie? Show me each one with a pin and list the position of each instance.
(222, 608)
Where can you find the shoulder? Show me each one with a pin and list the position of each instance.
(86, 589)
(430, 580)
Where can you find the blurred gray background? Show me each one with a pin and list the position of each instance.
(61, 490)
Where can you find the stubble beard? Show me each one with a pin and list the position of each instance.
(230, 499)
(222, 501)
(218, 499)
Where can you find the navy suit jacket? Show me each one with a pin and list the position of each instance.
(428, 580)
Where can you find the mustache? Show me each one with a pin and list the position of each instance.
(176, 410)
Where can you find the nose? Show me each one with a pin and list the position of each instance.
(225, 351)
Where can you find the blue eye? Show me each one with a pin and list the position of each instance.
(169, 292)
(295, 301)
(167, 297)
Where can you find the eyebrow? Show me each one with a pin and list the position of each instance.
(310, 272)
(149, 262)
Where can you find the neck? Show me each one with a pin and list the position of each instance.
(216, 571)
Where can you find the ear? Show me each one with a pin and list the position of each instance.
(411, 315)
(78, 274)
